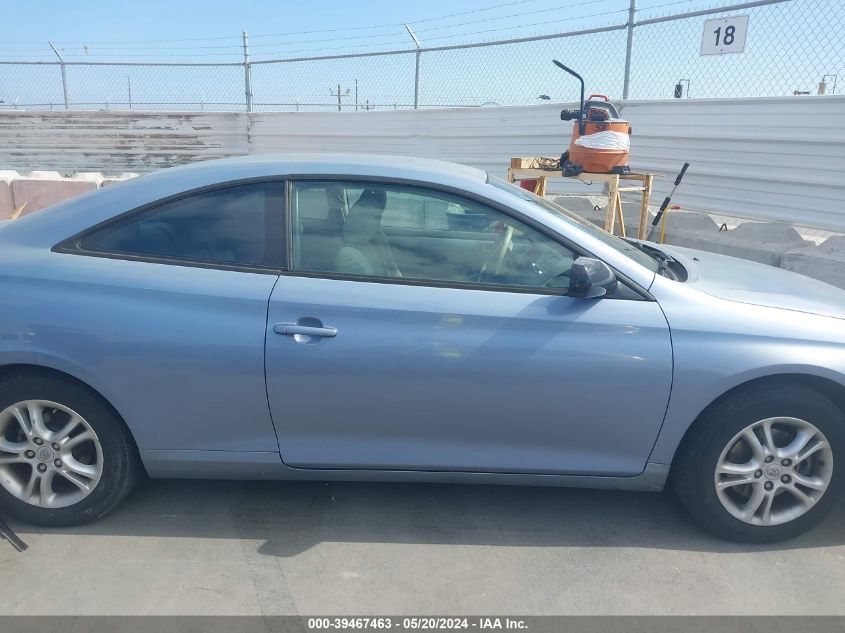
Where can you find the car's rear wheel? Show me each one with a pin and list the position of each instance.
(763, 465)
(65, 456)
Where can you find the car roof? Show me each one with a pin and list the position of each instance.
(340, 163)
(322, 164)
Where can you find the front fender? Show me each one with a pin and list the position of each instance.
(719, 345)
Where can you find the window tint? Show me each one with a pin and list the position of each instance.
(229, 226)
(396, 231)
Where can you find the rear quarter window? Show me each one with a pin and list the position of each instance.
(232, 225)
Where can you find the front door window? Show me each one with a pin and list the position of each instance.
(394, 231)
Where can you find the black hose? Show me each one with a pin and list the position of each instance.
(7, 533)
(581, 125)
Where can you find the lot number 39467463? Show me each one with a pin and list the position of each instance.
(724, 35)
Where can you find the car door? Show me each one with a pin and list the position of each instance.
(443, 340)
(167, 307)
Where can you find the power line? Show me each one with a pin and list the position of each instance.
(311, 32)
(287, 52)
(525, 26)
(236, 47)
(512, 27)
(508, 17)
(230, 47)
(231, 37)
(496, 6)
(665, 4)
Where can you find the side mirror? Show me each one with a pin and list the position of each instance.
(591, 278)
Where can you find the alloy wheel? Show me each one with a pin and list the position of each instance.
(50, 457)
(774, 471)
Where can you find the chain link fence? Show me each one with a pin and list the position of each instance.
(792, 47)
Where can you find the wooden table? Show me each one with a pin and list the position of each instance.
(614, 190)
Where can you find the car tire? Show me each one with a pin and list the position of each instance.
(91, 470)
(703, 475)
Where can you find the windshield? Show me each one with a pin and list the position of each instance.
(568, 216)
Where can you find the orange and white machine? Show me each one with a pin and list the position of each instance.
(601, 140)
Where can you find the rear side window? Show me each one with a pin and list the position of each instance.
(238, 225)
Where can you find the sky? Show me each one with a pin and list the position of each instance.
(113, 28)
(790, 47)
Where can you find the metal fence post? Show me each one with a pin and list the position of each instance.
(632, 14)
(416, 69)
(247, 74)
(64, 72)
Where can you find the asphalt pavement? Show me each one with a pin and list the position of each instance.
(262, 548)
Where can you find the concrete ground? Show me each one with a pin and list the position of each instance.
(182, 547)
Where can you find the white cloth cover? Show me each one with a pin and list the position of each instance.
(605, 140)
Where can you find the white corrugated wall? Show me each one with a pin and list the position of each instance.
(482, 137)
(766, 158)
(777, 158)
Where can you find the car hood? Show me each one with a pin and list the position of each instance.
(758, 284)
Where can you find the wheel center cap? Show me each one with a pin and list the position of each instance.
(45, 454)
(773, 471)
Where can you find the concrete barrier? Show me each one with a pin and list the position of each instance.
(691, 230)
(764, 242)
(825, 262)
(41, 191)
(7, 205)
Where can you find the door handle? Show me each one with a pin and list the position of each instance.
(292, 329)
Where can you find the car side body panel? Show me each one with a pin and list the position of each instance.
(178, 351)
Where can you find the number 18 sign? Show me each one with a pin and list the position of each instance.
(725, 35)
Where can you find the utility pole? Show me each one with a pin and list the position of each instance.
(247, 74)
(629, 49)
(417, 68)
(129, 90)
(356, 95)
(64, 72)
(339, 94)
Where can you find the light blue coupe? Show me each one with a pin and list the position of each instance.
(387, 318)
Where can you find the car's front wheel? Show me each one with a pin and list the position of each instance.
(65, 456)
(763, 465)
